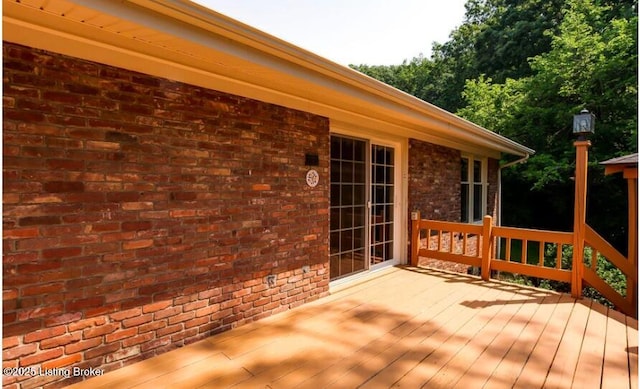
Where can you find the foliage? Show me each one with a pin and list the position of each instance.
(591, 63)
(605, 269)
(523, 68)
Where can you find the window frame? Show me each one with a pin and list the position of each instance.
(471, 183)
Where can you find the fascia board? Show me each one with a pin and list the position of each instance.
(325, 93)
(195, 14)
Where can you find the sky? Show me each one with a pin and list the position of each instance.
(371, 32)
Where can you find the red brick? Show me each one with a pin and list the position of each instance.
(137, 244)
(62, 252)
(99, 331)
(155, 344)
(19, 351)
(81, 304)
(167, 312)
(156, 306)
(61, 362)
(142, 338)
(39, 220)
(182, 317)
(169, 330)
(138, 226)
(59, 341)
(136, 321)
(207, 310)
(136, 206)
(40, 357)
(44, 334)
(125, 314)
(102, 350)
(42, 289)
(63, 186)
(196, 322)
(82, 345)
(125, 354)
(62, 319)
(10, 342)
(82, 324)
(182, 213)
(119, 335)
(260, 187)
(20, 233)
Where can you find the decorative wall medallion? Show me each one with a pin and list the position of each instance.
(312, 178)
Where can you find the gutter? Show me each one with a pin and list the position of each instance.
(209, 20)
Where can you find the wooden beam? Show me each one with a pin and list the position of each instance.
(579, 215)
(631, 173)
(632, 248)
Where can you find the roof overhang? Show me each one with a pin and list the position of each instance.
(183, 41)
(627, 165)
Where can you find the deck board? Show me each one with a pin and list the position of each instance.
(564, 363)
(589, 369)
(509, 368)
(632, 341)
(409, 327)
(615, 370)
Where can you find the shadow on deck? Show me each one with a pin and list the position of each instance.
(409, 327)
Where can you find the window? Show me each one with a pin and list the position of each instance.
(473, 186)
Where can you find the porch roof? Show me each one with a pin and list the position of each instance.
(619, 164)
(180, 40)
(409, 327)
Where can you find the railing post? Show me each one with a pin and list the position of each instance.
(579, 216)
(632, 251)
(487, 243)
(415, 237)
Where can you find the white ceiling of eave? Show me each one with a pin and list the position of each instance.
(206, 56)
(124, 28)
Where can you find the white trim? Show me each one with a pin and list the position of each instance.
(400, 235)
(208, 49)
(484, 174)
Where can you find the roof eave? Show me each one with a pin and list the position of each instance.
(371, 99)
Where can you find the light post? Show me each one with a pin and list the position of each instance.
(583, 124)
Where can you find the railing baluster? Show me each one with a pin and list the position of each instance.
(451, 241)
(464, 243)
(487, 257)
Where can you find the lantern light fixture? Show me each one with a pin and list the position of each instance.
(584, 123)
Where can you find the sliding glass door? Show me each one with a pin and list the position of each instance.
(362, 225)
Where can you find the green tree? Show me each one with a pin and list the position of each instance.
(592, 64)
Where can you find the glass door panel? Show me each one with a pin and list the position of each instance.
(348, 205)
(382, 203)
(361, 205)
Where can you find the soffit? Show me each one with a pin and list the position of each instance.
(182, 41)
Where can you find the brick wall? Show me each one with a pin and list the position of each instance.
(141, 214)
(434, 181)
(434, 188)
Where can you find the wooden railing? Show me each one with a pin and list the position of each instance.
(534, 253)
(600, 249)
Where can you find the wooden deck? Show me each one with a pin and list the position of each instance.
(409, 327)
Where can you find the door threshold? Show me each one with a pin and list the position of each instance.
(352, 279)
